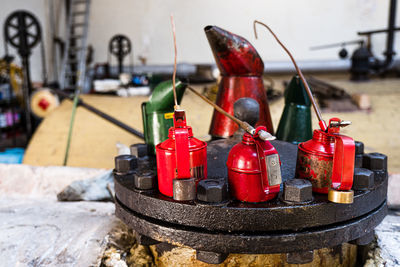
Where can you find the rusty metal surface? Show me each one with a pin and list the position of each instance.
(252, 242)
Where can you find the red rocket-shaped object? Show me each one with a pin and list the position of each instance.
(241, 68)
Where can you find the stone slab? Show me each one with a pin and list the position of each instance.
(36, 232)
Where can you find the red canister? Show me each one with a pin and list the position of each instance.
(254, 169)
(327, 160)
(180, 156)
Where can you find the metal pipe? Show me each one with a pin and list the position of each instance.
(390, 36)
(101, 114)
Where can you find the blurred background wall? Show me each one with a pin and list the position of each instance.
(299, 23)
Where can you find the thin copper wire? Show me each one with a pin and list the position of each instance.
(175, 57)
(309, 93)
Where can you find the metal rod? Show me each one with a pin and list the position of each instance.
(336, 44)
(390, 36)
(175, 57)
(322, 123)
(377, 31)
(102, 114)
(242, 124)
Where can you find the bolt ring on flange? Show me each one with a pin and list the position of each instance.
(275, 215)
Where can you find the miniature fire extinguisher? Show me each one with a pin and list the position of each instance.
(254, 172)
(181, 156)
(327, 160)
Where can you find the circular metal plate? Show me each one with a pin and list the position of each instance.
(274, 215)
(252, 242)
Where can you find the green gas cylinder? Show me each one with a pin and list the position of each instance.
(295, 123)
(157, 113)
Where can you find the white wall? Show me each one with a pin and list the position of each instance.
(299, 23)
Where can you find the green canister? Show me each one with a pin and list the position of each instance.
(158, 112)
(295, 124)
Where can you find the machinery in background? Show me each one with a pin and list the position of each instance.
(22, 31)
(241, 68)
(157, 113)
(120, 46)
(295, 123)
(363, 62)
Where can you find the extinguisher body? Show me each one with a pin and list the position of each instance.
(241, 68)
(254, 170)
(315, 161)
(180, 157)
(327, 160)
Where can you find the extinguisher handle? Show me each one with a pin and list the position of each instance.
(343, 163)
(269, 162)
(182, 152)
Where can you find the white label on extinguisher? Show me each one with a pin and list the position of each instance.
(274, 170)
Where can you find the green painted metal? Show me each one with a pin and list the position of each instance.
(157, 113)
(295, 123)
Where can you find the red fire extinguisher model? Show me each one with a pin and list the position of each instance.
(254, 172)
(327, 160)
(180, 156)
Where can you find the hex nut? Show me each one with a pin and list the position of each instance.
(145, 180)
(210, 257)
(358, 161)
(365, 239)
(375, 161)
(212, 190)
(145, 240)
(184, 189)
(359, 147)
(363, 179)
(297, 190)
(139, 150)
(300, 257)
(125, 163)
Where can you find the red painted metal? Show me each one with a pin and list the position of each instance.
(248, 171)
(241, 68)
(43, 104)
(327, 160)
(180, 156)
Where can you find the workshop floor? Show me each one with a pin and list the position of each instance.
(94, 140)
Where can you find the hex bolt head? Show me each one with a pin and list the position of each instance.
(145, 240)
(145, 180)
(184, 189)
(363, 179)
(358, 161)
(212, 190)
(125, 163)
(139, 150)
(375, 161)
(359, 147)
(210, 257)
(300, 257)
(297, 190)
